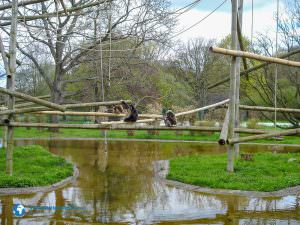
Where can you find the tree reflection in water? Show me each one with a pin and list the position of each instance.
(116, 185)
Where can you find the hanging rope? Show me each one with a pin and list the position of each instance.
(276, 67)
(252, 18)
(109, 27)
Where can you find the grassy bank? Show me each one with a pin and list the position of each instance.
(267, 172)
(164, 135)
(33, 166)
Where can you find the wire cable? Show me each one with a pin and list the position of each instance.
(276, 68)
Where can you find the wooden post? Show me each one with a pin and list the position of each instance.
(238, 80)
(11, 86)
(232, 94)
(224, 131)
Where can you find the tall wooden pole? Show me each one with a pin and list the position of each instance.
(6, 67)
(238, 81)
(232, 94)
(11, 85)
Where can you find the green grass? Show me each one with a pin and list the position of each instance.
(163, 135)
(267, 172)
(33, 166)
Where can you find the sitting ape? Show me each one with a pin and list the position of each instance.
(170, 119)
(133, 113)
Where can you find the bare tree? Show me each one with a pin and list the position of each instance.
(194, 57)
(66, 39)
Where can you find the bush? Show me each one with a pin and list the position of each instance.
(252, 124)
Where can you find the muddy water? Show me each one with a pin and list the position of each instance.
(116, 185)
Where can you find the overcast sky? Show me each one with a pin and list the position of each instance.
(217, 25)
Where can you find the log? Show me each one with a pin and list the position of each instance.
(123, 122)
(250, 131)
(268, 109)
(25, 110)
(79, 105)
(203, 108)
(224, 131)
(238, 71)
(250, 55)
(125, 127)
(71, 113)
(22, 101)
(264, 136)
(232, 92)
(93, 104)
(32, 99)
(240, 36)
(10, 85)
(252, 69)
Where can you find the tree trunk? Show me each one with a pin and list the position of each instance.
(56, 97)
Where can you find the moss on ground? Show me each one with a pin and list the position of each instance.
(33, 166)
(267, 172)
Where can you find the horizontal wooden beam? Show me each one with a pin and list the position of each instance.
(268, 109)
(203, 108)
(93, 104)
(264, 136)
(22, 101)
(21, 111)
(250, 55)
(254, 68)
(127, 126)
(32, 99)
(100, 114)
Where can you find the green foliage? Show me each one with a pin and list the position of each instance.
(252, 124)
(33, 166)
(172, 91)
(267, 172)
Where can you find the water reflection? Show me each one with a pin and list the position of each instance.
(116, 185)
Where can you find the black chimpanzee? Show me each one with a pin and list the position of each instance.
(170, 119)
(133, 113)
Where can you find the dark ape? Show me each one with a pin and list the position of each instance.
(170, 119)
(133, 113)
